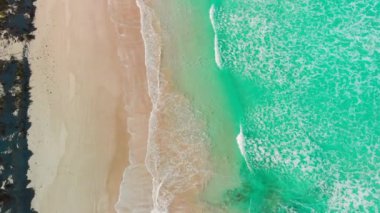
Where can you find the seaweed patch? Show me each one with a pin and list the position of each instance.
(16, 26)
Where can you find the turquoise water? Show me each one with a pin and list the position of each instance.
(300, 80)
(307, 78)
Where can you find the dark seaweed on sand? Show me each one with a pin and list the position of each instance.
(16, 25)
(15, 195)
(16, 19)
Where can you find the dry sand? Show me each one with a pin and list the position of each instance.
(86, 105)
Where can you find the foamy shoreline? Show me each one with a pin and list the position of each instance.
(136, 186)
(177, 147)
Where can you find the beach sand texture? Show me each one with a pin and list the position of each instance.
(87, 104)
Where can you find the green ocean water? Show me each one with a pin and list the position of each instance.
(302, 81)
(307, 75)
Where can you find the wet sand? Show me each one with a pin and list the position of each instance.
(89, 110)
(136, 187)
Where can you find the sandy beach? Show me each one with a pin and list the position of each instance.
(90, 105)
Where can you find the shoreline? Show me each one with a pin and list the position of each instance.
(195, 92)
(136, 185)
(81, 115)
(177, 154)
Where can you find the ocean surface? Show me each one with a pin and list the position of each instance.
(306, 74)
(264, 105)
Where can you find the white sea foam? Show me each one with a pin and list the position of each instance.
(218, 59)
(352, 194)
(240, 139)
(152, 50)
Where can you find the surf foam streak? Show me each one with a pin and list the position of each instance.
(152, 51)
(218, 59)
(152, 62)
(136, 185)
(240, 139)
